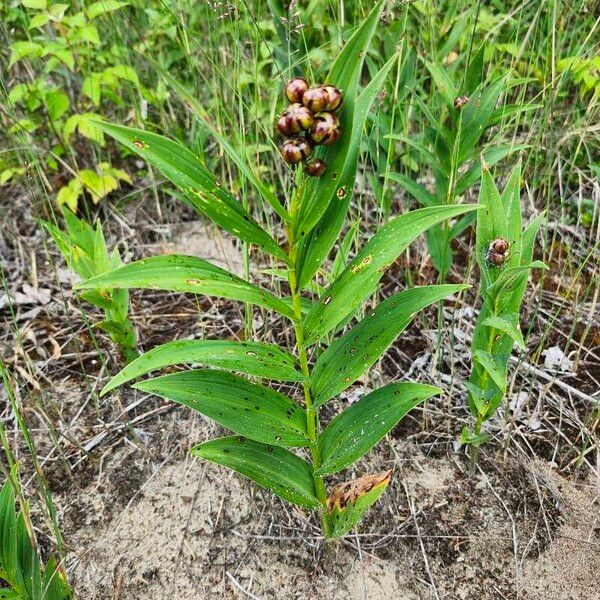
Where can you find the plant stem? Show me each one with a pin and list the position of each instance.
(312, 413)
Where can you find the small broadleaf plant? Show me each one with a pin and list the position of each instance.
(278, 441)
(505, 258)
(22, 574)
(84, 249)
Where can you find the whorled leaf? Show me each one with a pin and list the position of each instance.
(362, 275)
(357, 429)
(346, 359)
(184, 169)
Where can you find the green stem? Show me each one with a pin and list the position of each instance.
(312, 412)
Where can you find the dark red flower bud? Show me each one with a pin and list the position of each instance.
(460, 102)
(316, 98)
(295, 89)
(295, 150)
(326, 129)
(294, 119)
(498, 252)
(500, 245)
(334, 98)
(316, 168)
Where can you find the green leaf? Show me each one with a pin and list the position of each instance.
(490, 156)
(348, 501)
(55, 584)
(57, 103)
(345, 72)
(190, 175)
(255, 411)
(507, 323)
(37, 4)
(496, 370)
(314, 248)
(356, 430)
(476, 115)
(179, 273)
(276, 469)
(358, 349)
(442, 81)
(237, 157)
(511, 201)
(252, 358)
(491, 224)
(440, 250)
(420, 192)
(102, 7)
(362, 275)
(20, 50)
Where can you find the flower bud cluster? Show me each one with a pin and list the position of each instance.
(308, 121)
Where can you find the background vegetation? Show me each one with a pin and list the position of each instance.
(202, 72)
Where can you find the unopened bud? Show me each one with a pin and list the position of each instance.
(295, 150)
(295, 119)
(460, 102)
(316, 167)
(295, 89)
(325, 129)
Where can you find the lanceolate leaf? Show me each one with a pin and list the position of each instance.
(190, 175)
(252, 358)
(362, 275)
(348, 501)
(239, 160)
(179, 273)
(507, 323)
(276, 469)
(345, 72)
(420, 192)
(357, 350)
(252, 410)
(314, 248)
(356, 430)
(491, 363)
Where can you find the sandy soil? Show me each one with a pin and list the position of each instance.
(191, 530)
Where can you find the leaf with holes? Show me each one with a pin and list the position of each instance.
(358, 349)
(357, 429)
(179, 273)
(251, 358)
(183, 168)
(314, 247)
(345, 72)
(252, 410)
(361, 277)
(276, 469)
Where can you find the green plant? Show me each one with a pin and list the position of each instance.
(84, 249)
(504, 253)
(20, 565)
(269, 423)
(452, 145)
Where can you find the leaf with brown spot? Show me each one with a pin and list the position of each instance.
(348, 501)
